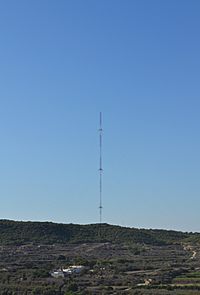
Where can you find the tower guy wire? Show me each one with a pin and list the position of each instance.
(100, 168)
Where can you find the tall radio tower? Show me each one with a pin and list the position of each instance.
(100, 167)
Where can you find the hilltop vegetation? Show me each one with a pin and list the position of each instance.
(18, 232)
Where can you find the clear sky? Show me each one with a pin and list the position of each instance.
(137, 61)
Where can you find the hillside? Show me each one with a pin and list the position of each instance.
(33, 256)
(18, 232)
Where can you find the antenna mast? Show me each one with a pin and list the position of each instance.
(100, 167)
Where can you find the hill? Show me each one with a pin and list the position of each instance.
(19, 232)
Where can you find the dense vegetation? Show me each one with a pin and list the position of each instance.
(18, 232)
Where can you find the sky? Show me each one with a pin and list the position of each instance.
(136, 61)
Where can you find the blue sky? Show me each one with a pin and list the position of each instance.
(137, 61)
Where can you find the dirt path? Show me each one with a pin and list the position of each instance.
(194, 253)
(190, 248)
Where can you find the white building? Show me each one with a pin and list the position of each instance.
(74, 269)
(57, 274)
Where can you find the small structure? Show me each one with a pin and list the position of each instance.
(57, 274)
(74, 269)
